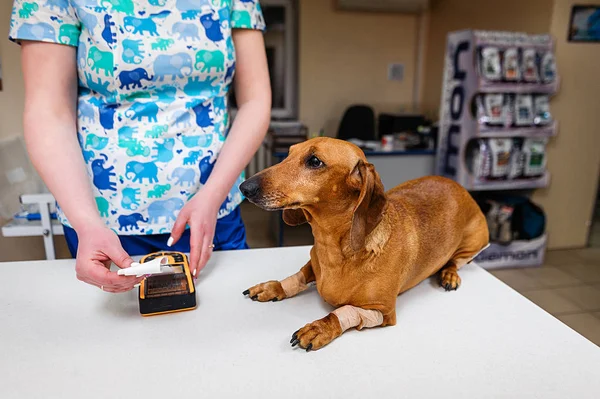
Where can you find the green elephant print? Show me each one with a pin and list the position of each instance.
(210, 59)
(28, 9)
(162, 44)
(159, 190)
(101, 60)
(124, 6)
(135, 147)
(241, 18)
(67, 34)
(156, 131)
(102, 205)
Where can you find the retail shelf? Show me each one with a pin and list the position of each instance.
(530, 131)
(516, 184)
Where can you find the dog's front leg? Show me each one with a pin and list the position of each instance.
(321, 332)
(287, 288)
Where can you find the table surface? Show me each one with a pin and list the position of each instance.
(60, 338)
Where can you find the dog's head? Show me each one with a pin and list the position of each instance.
(322, 176)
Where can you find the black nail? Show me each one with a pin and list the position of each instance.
(294, 337)
(309, 347)
(295, 342)
(254, 297)
(246, 292)
(274, 300)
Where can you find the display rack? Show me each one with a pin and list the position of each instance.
(461, 124)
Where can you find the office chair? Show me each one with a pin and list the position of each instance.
(358, 122)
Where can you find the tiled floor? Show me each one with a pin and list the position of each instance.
(566, 286)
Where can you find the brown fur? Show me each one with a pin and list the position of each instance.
(369, 245)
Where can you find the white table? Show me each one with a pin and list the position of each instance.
(60, 338)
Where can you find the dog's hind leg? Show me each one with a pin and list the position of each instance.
(449, 278)
(277, 290)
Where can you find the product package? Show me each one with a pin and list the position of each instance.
(500, 150)
(523, 110)
(517, 159)
(534, 150)
(510, 70)
(548, 68)
(481, 160)
(541, 108)
(493, 110)
(530, 69)
(490, 63)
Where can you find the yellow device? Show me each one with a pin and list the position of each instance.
(170, 292)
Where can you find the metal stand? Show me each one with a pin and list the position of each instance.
(46, 227)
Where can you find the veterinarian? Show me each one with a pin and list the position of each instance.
(127, 122)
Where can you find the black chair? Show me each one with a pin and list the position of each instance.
(358, 122)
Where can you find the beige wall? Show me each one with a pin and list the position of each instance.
(343, 59)
(532, 16)
(11, 98)
(574, 155)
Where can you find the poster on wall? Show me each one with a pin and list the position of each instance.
(585, 24)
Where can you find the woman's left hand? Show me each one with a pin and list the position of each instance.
(200, 213)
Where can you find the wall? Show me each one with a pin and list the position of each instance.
(11, 110)
(574, 155)
(12, 95)
(343, 59)
(532, 16)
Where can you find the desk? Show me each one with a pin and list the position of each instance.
(61, 338)
(396, 167)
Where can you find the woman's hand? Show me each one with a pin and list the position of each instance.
(98, 246)
(200, 213)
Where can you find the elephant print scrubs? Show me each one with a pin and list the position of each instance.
(152, 101)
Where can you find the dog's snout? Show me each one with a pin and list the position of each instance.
(251, 187)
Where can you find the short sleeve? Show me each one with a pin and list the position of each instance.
(53, 21)
(247, 14)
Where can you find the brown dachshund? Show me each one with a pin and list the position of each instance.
(369, 245)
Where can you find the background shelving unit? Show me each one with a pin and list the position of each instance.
(459, 125)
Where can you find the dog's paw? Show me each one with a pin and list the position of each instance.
(449, 280)
(265, 292)
(317, 334)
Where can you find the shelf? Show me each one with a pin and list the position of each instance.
(518, 87)
(530, 131)
(519, 253)
(517, 184)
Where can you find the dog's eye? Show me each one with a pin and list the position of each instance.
(314, 162)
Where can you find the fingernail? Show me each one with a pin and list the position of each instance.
(194, 273)
(170, 241)
(137, 285)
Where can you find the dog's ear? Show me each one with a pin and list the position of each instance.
(368, 211)
(294, 217)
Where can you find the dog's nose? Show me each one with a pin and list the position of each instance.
(250, 188)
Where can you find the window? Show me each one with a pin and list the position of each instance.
(281, 48)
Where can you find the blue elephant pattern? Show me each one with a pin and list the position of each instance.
(127, 222)
(152, 106)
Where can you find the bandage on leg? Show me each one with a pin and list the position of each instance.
(351, 316)
(294, 284)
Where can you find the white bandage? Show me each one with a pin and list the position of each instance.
(293, 285)
(350, 316)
